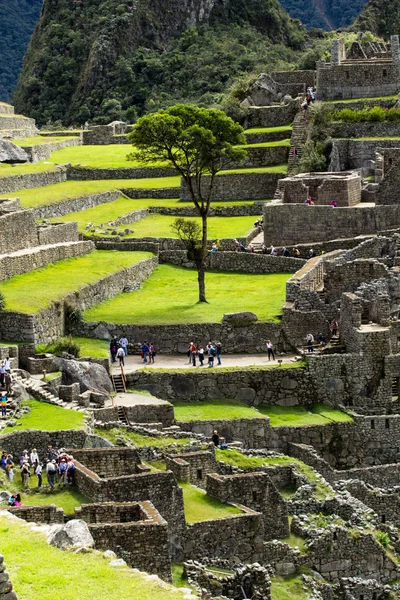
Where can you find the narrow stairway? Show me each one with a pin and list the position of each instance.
(118, 382)
(300, 134)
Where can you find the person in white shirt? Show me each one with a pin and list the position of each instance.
(270, 349)
(34, 458)
(7, 364)
(123, 342)
(38, 473)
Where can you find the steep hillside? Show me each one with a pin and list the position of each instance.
(328, 14)
(381, 17)
(17, 22)
(90, 58)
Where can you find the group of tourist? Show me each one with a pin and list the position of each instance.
(310, 202)
(119, 350)
(211, 351)
(57, 463)
(319, 340)
(310, 97)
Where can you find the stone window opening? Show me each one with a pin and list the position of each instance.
(347, 74)
(255, 496)
(395, 388)
(361, 596)
(383, 518)
(199, 473)
(384, 73)
(372, 424)
(387, 424)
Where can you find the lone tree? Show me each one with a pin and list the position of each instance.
(196, 142)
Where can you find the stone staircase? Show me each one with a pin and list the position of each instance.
(38, 390)
(300, 134)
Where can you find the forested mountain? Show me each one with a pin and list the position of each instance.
(17, 22)
(328, 14)
(101, 57)
(382, 17)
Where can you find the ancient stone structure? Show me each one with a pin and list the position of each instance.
(321, 188)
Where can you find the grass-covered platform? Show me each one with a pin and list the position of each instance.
(140, 440)
(33, 291)
(298, 416)
(39, 570)
(109, 156)
(160, 226)
(201, 507)
(66, 497)
(177, 298)
(47, 417)
(212, 410)
(39, 140)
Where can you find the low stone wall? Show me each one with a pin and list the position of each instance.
(142, 413)
(18, 441)
(6, 109)
(173, 339)
(285, 387)
(268, 136)
(247, 210)
(385, 504)
(265, 156)
(38, 514)
(85, 173)
(273, 116)
(368, 129)
(160, 193)
(71, 205)
(13, 183)
(58, 233)
(43, 151)
(17, 231)
(358, 154)
(13, 121)
(113, 463)
(244, 262)
(193, 467)
(239, 186)
(40, 257)
(240, 536)
(133, 245)
(132, 217)
(254, 433)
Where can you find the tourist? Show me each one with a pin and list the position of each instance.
(321, 339)
(152, 352)
(7, 364)
(215, 438)
(62, 472)
(200, 354)
(193, 352)
(286, 252)
(70, 470)
(264, 249)
(272, 250)
(10, 467)
(52, 453)
(2, 374)
(190, 352)
(121, 356)
(38, 473)
(214, 247)
(25, 473)
(251, 248)
(310, 342)
(145, 352)
(51, 472)
(113, 349)
(24, 458)
(3, 404)
(270, 350)
(9, 380)
(123, 342)
(334, 328)
(296, 252)
(236, 244)
(218, 349)
(334, 204)
(211, 354)
(34, 458)
(312, 253)
(17, 500)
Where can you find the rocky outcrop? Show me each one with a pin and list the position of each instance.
(74, 534)
(90, 376)
(9, 153)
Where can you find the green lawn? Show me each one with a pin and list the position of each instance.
(40, 140)
(57, 192)
(39, 570)
(298, 416)
(33, 291)
(268, 144)
(159, 226)
(278, 129)
(201, 507)
(66, 497)
(141, 440)
(88, 347)
(242, 461)
(210, 410)
(111, 156)
(273, 169)
(177, 298)
(47, 417)
(23, 168)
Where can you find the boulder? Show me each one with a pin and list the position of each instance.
(263, 92)
(90, 376)
(4, 496)
(10, 153)
(239, 319)
(74, 534)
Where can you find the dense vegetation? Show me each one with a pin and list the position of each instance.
(381, 17)
(328, 14)
(17, 22)
(92, 58)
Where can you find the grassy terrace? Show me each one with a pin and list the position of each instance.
(159, 226)
(55, 281)
(47, 417)
(278, 129)
(22, 169)
(66, 497)
(298, 416)
(210, 410)
(201, 507)
(268, 144)
(111, 156)
(242, 461)
(32, 563)
(178, 302)
(351, 100)
(39, 140)
(88, 347)
(140, 440)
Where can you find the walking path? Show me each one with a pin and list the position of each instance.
(134, 362)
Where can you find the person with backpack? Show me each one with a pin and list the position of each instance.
(212, 353)
(121, 356)
(152, 352)
(218, 349)
(38, 473)
(10, 467)
(4, 404)
(51, 471)
(25, 474)
(62, 471)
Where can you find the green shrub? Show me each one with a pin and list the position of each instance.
(383, 538)
(377, 114)
(64, 344)
(72, 316)
(312, 158)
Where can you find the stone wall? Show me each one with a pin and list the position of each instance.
(243, 186)
(71, 205)
(193, 467)
(263, 156)
(385, 504)
(273, 116)
(141, 413)
(86, 173)
(322, 188)
(256, 491)
(230, 210)
(164, 193)
(253, 433)
(40, 257)
(6, 589)
(58, 233)
(253, 263)
(239, 536)
(113, 463)
(38, 514)
(13, 121)
(358, 154)
(18, 441)
(17, 231)
(368, 129)
(266, 136)
(13, 183)
(43, 151)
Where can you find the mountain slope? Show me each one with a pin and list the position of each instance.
(382, 17)
(84, 56)
(328, 14)
(17, 22)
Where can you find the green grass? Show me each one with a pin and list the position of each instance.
(296, 541)
(40, 140)
(177, 298)
(51, 376)
(57, 192)
(47, 417)
(290, 365)
(201, 507)
(268, 144)
(211, 410)
(141, 440)
(39, 570)
(289, 588)
(278, 129)
(111, 156)
(66, 497)
(24, 168)
(178, 578)
(159, 226)
(351, 100)
(273, 169)
(242, 461)
(55, 281)
(298, 416)
(94, 348)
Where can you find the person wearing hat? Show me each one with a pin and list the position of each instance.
(34, 459)
(51, 472)
(62, 471)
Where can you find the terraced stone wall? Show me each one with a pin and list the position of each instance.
(71, 205)
(113, 463)
(58, 233)
(84, 174)
(17, 231)
(18, 441)
(239, 186)
(13, 183)
(142, 413)
(253, 433)
(43, 151)
(261, 157)
(358, 154)
(38, 514)
(273, 116)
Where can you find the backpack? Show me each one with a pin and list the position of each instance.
(213, 352)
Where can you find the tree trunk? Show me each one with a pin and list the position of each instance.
(201, 269)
